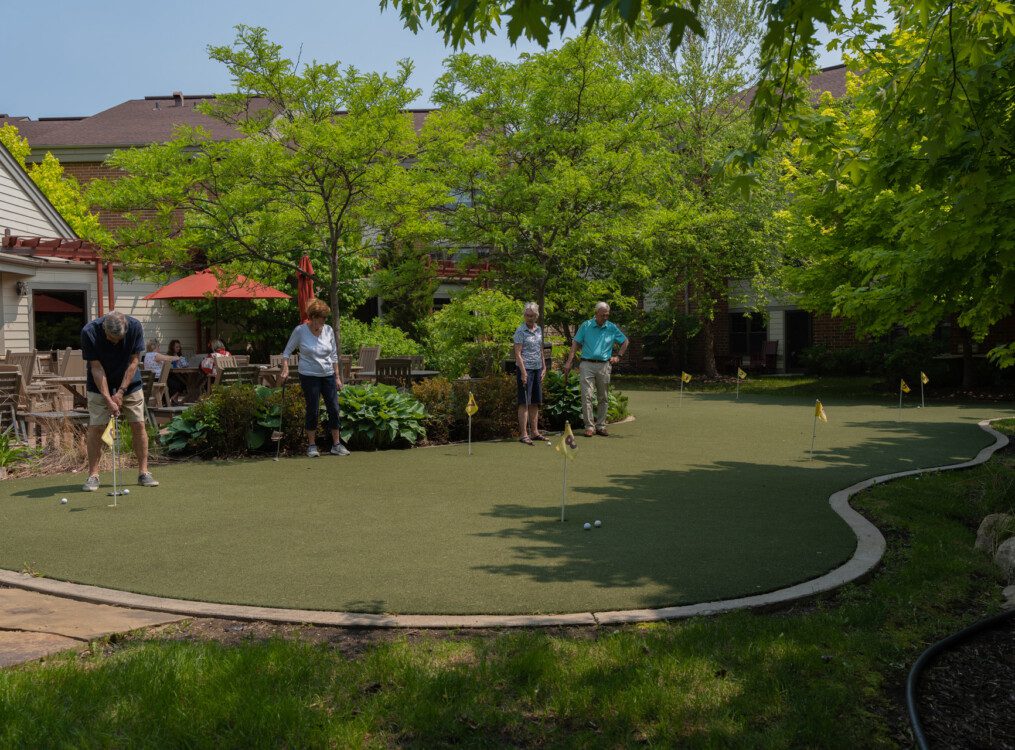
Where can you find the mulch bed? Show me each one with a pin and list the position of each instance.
(966, 696)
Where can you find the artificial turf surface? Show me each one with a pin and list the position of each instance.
(704, 500)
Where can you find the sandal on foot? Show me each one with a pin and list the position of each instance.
(541, 438)
(526, 440)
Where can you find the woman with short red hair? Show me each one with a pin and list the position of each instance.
(320, 373)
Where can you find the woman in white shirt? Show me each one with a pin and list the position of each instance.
(154, 360)
(320, 373)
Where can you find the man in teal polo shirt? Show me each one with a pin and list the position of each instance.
(596, 338)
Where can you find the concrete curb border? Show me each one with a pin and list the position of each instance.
(869, 550)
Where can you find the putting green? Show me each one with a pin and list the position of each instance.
(710, 499)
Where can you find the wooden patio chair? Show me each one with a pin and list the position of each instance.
(159, 395)
(73, 364)
(396, 371)
(346, 369)
(368, 357)
(26, 361)
(10, 402)
(234, 375)
(764, 360)
(242, 360)
(275, 360)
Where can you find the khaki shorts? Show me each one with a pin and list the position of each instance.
(99, 414)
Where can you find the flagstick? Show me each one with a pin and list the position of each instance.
(563, 489)
(738, 387)
(922, 404)
(681, 389)
(814, 429)
(470, 434)
(899, 415)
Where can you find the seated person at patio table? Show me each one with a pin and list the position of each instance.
(217, 349)
(154, 361)
(320, 374)
(176, 350)
(112, 346)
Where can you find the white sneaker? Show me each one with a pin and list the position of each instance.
(339, 450)
(312, 452)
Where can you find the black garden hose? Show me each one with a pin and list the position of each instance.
(927, 656)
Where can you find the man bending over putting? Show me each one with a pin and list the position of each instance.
(113, 346)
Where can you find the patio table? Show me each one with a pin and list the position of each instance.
(195, 380)
(75, 384)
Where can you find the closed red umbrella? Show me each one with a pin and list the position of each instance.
(305, 287)
(208, 284)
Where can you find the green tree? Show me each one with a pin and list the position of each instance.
(473, 332)
(905, 194)
(62, 190)
(548, 158)
(322, 167)
(705, 232)
(405, 281)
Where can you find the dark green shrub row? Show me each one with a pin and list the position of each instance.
(240, 419)
(445, 403)
(902, 357)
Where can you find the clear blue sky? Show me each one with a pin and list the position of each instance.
(74, 57)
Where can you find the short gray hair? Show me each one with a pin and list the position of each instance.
(115, 324)
(602, 306)
(217, 344)
(531, 306)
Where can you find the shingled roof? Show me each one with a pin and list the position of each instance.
(136, 122)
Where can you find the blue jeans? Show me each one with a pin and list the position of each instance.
(313, 389)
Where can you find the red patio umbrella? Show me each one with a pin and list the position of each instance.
(304, 287)
(207, 284)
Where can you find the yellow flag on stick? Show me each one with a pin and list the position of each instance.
(684, 377)
(903, 387)
(107, 435)
(924, 379)
(741, 374)
(819, 411)
(567, 444)
(472, 407)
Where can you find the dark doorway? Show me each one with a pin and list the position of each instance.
(59, 317)
(799, 336)
(748, 333)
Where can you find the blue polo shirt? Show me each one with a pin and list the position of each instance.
(114, 358)
(597, 341)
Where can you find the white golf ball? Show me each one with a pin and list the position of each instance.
(126, 492)
(587, 525)
(598, 523)
(63, 501)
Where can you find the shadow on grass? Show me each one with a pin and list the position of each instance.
(730, 529)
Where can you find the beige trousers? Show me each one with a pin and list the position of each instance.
(594, 376)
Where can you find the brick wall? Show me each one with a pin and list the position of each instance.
(835, 333)
(85, 172)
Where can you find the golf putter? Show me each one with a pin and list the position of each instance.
(116, 463)
(276, 435)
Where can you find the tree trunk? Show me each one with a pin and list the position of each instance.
(968, 369)
(333, 300)
(708, 328)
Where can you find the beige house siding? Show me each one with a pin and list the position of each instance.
(157, 317)
(18, 213)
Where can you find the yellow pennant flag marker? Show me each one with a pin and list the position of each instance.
(923, 381)
(567, 444)
(903, 387)
(819, 413)
(685, 378)
(566, 447)
(107, 435)
(741, 374)
(923, 378)
(472, 407)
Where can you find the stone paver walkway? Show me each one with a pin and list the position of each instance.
(34, 625)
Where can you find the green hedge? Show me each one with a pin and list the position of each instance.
(239, 420)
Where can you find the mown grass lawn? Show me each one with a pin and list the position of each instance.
(823, 674)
